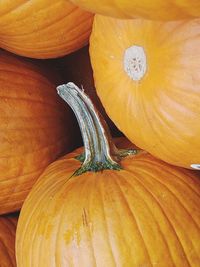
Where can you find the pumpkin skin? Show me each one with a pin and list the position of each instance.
(36, 128)
(43, 29)
(153, 10)
(160, 105)
(77, 67)
(144, 215)
(7, 241)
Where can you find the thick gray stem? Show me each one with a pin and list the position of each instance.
(100, 152)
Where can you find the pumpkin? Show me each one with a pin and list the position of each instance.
(76, 67)
(7, 241)
(43, 29)
(149, 71)
(35, 128)
(154, 10)
(118, 208)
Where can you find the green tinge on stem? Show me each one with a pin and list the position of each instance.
(97, 166)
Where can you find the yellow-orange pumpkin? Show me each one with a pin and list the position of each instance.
(144, 214)
(149, 9)
(7, 241)
(147, 77)
(43, 28)
(35, 128)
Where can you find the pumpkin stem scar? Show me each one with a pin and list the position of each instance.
(135, 63)
(100, 152)
(195, 166)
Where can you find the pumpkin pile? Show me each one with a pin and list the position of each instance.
(127, 73)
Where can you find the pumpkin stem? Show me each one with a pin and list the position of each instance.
(100, 152)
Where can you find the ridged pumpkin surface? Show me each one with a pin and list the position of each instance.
(149, 9)
(7, 241)
(144, 215)
(35, 128)
(149, 71)
(43, 28)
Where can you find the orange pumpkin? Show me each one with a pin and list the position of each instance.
(35, 128)
(7, 241)
(76, 67)
(116, 209)
(43, 29)
(149, 71)
(159, 9)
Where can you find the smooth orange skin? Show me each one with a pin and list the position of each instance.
(161, 112)
(36, 128)
(43, 28)
(144, 215)
(148, 9)
(7, 241)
